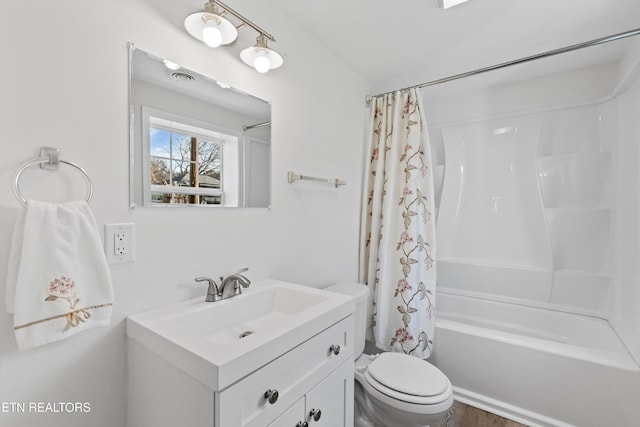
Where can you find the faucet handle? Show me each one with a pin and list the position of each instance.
(212, 290)
(242, 270)
(206, 279)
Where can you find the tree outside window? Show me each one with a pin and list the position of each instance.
(184, 168)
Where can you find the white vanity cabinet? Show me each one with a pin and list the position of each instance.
(314, 375)
(328, 404)
(317, 370)
(292, 417)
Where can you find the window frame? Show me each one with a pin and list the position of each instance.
(194, 127)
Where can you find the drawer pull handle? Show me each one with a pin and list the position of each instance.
(335, 349)
(315, 414)
(271, 396)
(302, 424)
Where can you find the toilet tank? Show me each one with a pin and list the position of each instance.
(360, 293)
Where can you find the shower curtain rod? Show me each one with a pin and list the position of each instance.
(547, 54)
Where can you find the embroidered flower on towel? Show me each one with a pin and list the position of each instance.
(63, 288)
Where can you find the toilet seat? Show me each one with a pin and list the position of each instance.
(417, 383)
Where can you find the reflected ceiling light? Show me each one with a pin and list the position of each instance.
(171, 65)
(212, 28)
(260, 56)
(446, 4)
(504, 130)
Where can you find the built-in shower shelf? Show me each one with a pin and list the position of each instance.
(489, 264)
(576, 154)
(578, 209)
(596, 275)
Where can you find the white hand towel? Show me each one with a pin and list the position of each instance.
(58, 281)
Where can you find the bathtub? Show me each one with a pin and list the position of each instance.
(536, 366)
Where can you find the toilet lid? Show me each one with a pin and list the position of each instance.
(408, 375)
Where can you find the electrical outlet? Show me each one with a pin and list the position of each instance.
(119, 241)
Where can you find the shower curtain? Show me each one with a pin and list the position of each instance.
(398, 235)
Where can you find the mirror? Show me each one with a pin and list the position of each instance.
(195, 141)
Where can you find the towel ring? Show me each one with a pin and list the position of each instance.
(42, 161)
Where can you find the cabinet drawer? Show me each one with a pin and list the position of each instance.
(291, 375)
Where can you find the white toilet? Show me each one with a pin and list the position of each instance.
(393, 389)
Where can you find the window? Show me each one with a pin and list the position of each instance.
(187, 163)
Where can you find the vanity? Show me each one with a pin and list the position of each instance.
(280, 354)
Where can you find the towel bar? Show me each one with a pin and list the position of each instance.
(48, 160)
(291, 177)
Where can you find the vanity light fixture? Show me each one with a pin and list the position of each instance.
(210, 26)
(260, 56)
(214, 29)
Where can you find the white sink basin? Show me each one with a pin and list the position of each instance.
(221, 342)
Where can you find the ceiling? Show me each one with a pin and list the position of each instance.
(397, 43)
(148, 68)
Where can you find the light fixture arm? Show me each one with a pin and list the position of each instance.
(244, 20)
(212, 8)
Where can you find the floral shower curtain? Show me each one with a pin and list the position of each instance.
(398, 246)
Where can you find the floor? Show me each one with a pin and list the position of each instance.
(462, 415)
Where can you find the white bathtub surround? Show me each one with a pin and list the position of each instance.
(536, 366)
(58, 281)
(525, 212)
(538, 322)
(490, 211)
(398, 245)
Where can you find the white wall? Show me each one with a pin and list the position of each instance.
(64, 84)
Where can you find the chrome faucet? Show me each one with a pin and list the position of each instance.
(216, 293)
